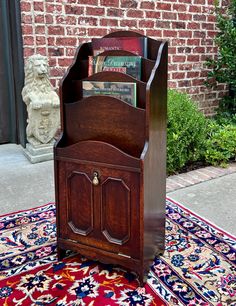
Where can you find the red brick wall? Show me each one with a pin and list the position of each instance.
(55, 27)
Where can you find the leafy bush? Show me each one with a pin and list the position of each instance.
(186, 130)
(191, 137)
(223, 68)
(220, 143)
(225, 119)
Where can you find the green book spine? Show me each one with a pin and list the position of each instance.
(124, 91)
(130, 65)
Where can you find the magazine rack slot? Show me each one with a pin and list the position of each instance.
(108, 76)
(152, 45)
(113, 123)
(91, 149)
(116, 53)
(110, 168)
(146, 64)
(77, 93)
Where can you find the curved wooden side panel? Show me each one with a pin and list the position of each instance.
(106, 119)
(155, 157)
(156, 91)
(77, 69)
(82, 53)
(160, 66)
(97, 151)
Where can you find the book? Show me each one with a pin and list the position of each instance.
(124, 91)
(136, 45)
(126, 64)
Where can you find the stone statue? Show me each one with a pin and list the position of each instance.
(42, 102)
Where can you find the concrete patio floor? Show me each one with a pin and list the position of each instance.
(24, 185)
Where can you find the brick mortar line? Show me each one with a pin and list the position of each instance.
(198, 173)
(187, 179)
(172, 181)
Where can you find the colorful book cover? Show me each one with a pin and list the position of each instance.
(121, 90)
(136, 45)
(130, 65)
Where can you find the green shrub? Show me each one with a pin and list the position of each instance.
(220, 143)
(186, 131)
(191, 137)
(225, 119)
(223, 68)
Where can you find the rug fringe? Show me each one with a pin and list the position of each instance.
(24, 210)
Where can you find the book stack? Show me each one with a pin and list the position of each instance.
(134, 48)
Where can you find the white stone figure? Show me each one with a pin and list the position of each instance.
(42, 102)
(43, 110)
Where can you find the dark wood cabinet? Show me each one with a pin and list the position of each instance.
(110, 165)
(94, 214)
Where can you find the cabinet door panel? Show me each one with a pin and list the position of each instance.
(105, 216)
(75, 205)
(80, 197)
(120, 211)
(115, 210)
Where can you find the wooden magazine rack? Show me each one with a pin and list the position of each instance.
(110, 164)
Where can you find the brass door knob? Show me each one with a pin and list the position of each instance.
(95, 178)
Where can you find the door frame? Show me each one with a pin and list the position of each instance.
(10, 13)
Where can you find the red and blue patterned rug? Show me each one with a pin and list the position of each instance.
(197, 268)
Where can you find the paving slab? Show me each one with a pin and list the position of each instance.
(23, 185)
(214, 200)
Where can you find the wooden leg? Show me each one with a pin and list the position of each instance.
(142, 276)
(60, 253)
(160, 251)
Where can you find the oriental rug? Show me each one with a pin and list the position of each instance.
(197, 268)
